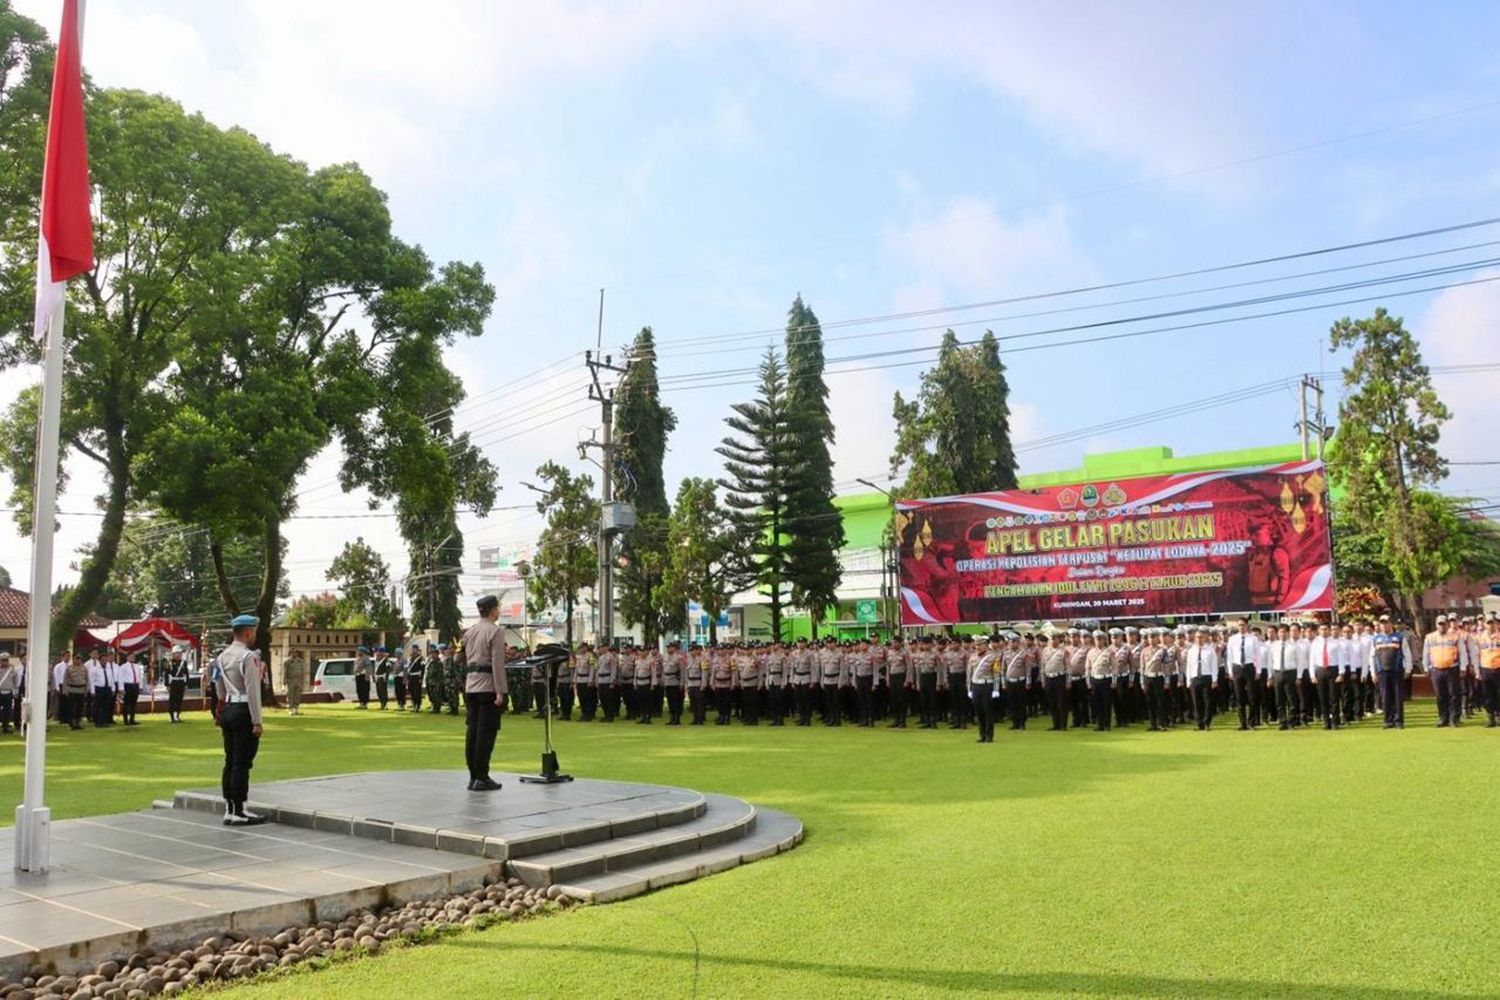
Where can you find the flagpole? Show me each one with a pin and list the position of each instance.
(33, 819)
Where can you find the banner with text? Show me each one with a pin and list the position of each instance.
(1232, 540)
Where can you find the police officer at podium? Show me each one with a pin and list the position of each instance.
(237, 674)
(484, 692)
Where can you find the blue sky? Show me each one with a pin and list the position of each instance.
(706, 162)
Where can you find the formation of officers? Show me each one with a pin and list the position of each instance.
(1292, 674)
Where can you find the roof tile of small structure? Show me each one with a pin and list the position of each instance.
(15, 611)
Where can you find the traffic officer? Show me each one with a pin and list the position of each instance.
(293, 673)
(237, 674)
(1153, 675)
(584, 665)
(177, 681)
(1445, 659)
(1123, 658)
(981, 675)
(485, 686)
(1489, 671)
(1054, 666)
(1016, 661)
(1100, 667)
(803, 663)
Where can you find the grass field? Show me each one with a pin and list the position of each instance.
(1351, 864)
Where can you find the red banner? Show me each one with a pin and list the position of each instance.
(1232, 540)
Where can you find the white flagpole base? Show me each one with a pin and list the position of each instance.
(33, 839)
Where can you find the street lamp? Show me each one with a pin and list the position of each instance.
(886, 570)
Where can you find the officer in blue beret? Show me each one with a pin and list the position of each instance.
(237, 674)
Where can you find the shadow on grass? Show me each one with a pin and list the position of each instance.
(976, 981)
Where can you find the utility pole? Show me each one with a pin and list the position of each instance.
(604, 589)
(1315, 423)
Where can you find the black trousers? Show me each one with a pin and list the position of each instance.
(776, 704)
(400, 692)
(481, 723)
(864, 688)
(1288, 706)
(1099, 695)
(76, 700)
(983, 698)
(899, 695)
(722, 705)
(1156, 702)
(674, 704)
(382, 690)
(128, 701)
(362, 689)
(1392, 696)
(750, 706)
(588, 702)
(958, 708)
(1078, 698)
(1448, 685)
(832, 710)
(104, 706)
(1246, 693)
(414, 688)
(7, 707)
(240, 747)
(1015, 700)
(564, 692)
(927, 697)
(1328, 695)
(697, 705)
(1203, 698)
(175, 692)
(802, 697)
(1489, 691)
(609, 699)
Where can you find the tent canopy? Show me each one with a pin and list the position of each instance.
(162, 631)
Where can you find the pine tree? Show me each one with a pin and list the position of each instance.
(756, 464)
(955, 436)
(814, 526)
(642, 425)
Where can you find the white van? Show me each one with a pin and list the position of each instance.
(335, 677)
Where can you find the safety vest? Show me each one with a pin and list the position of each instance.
(1442, 650)
(1489, 654)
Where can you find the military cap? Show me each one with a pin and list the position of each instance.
(1117, 631)
(1131, 628)
(1099, 633)
(487, 602)
(244, 621)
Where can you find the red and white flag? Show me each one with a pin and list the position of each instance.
(66, 246)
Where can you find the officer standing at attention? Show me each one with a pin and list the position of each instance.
(1489, 671)
(982, 673)
(1153, 675)
(292, 674)
(363, 671)
(484, 692)
(10, 688)
(177, 680)
(802, 663)
(416, 671)
(453, 677)
(1243, 650)
(437, 679)
(1445, 658)
(1099, 663)
(1017, 662)
(237, 674)
(583, 683)
(1202, 664)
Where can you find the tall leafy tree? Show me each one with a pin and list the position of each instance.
(313, 611)
(954, 437)
(565, 552)
(1390, 421)
(707, 558)
(642, 425)
(365, 593)
(814, 526)
(177, 201)
(757, 467)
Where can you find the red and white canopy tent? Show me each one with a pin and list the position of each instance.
(148, 633)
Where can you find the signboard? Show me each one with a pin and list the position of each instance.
(1232, 540)
(864, 611)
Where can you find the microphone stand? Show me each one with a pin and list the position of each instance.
(550, 774)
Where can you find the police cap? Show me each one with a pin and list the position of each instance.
(487, 602)
(244, 621)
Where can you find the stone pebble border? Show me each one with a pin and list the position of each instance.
(232, 955)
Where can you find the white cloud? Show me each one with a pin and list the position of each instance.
(1462, 326)
(860, 403)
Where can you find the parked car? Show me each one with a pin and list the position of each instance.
(335, 677)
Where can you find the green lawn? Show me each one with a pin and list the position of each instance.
(1350, 864)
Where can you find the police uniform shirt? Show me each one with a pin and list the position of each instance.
(673, 666)
(1153, 661)
(1243, 649)
(697, 669)
(981, 669)
(1489, 651)
(1077, 657)
(362, 666)
(804, 663)
(484, 646)
(605, 665)
(1124, 660)
(1099, 662)
(237, 673)
(830, 667)
(774, 668)
(1017, 664)
(625, 669)
(952, 659)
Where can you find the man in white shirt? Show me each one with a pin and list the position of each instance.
(10, 690)
(1364, 664)
(1280, 666)
(101, 690)
(57, 689)
(130, 675)
(1243, 653)
(1352, 672)
(1202, 669)
(1298, 656)
(1324, 653)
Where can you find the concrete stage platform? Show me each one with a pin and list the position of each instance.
(173, 875)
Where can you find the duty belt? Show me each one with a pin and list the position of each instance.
(481, 668)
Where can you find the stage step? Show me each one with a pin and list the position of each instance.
(726, 819)
(773, 831)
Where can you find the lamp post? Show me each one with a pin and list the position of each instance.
(886, 570)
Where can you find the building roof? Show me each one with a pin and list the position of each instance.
(15, 611)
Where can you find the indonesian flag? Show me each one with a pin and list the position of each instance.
(66, 246)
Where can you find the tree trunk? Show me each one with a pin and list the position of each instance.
(265, 602)
(101, 562)
(221, 580)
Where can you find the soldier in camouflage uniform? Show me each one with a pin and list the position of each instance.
(454, 673)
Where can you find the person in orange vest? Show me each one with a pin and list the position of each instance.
(1445, 658)
(1489, 671)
